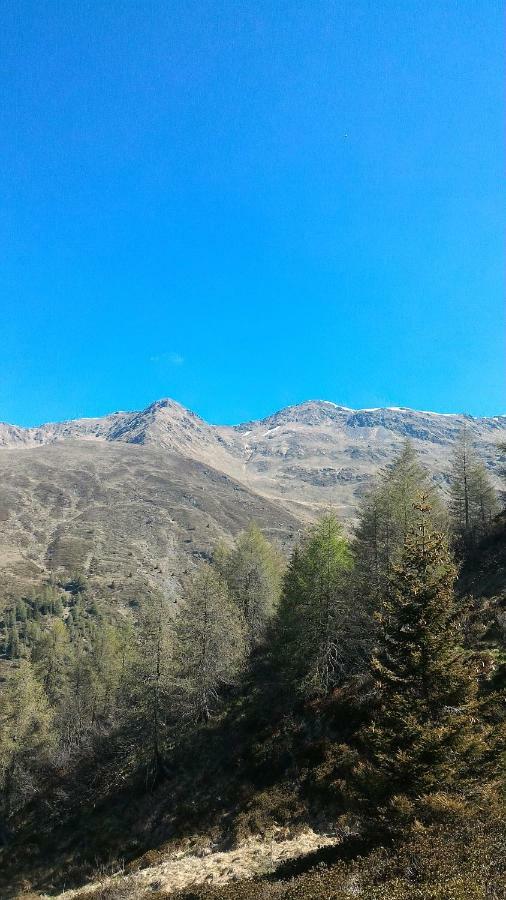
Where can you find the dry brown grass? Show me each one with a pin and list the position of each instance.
(202, 865)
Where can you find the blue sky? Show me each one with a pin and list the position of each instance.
(243, 205)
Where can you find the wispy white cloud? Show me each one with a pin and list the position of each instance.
(171, 358)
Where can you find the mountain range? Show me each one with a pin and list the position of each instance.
(130, 497)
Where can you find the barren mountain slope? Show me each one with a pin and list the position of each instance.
(318, 452)
(128, 496)
(128, 516)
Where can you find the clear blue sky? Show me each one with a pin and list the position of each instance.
(251, 203)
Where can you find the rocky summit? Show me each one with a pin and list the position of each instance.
(132, 497)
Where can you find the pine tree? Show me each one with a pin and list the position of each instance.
(209, 644)
(425, 734)
(76, 584)
(474, 501)
(312, 647)
(35, 607)
(252, 571)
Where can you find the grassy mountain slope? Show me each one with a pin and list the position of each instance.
(129, 517)
(126, 498)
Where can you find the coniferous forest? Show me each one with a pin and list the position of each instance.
(356, 687)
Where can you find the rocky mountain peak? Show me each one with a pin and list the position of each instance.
(310, 412)
(163, 470)
(168, 406)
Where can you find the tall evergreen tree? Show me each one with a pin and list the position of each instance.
(252, 570)
(209, 644)
(425, 734)
(474, 501)
(32, 633)
(386, 518)
(312, 646)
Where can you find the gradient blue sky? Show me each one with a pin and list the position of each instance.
(243, 205)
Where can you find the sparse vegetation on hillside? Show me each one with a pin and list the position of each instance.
(358, 692)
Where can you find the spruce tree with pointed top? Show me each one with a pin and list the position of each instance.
(425, 734)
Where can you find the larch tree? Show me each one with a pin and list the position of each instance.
(80, 698)
(312, 650)
(21, 613)
(106, 651)
(26, 736)
(13, 648)
(474, 501)
(209, 644)
(152, 685)
(252, 570)
(51, 657)
(385, 519)
(97, 677)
